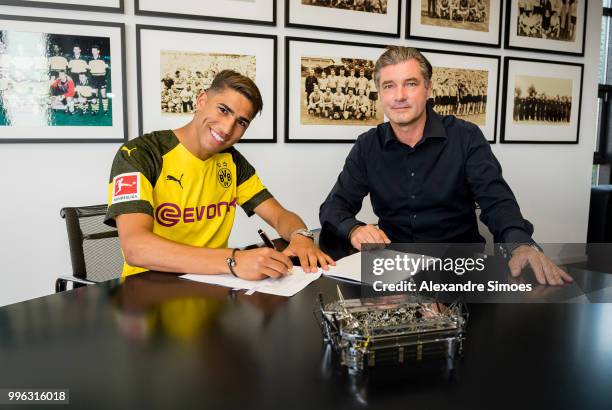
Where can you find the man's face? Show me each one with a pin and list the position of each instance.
(403, 92)
(221, 118)
(76, 51)
(311, 71)
(62, 76)
(95, 52)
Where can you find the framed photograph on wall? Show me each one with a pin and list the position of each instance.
(62, 80)
(465, 85)
(109, 6)
(551, 26)
(476, 23)
(541, 101)
(175, 64)
(321, 76)
(261, 12)
(378, 17)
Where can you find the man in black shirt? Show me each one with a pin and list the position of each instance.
(309, 83)
(424, 174)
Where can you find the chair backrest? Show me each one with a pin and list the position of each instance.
(600, 215)
(95, 252)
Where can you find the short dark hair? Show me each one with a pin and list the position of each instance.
(397, 55)
(240, 83)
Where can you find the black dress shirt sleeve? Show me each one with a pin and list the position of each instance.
(499, 208)
(337, 213)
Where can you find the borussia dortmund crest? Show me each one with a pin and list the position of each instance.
(224, 176)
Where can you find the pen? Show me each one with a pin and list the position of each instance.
(265, 239)
(269, 243)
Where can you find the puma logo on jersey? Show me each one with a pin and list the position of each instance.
(171, 178)
(129, 151)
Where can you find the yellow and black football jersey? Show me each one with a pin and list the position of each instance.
(78, 66)
(191, 201)
(97, 67)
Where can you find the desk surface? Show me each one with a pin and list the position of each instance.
(156, 341)
(161, 342)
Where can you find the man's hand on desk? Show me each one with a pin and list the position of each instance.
(308, 253)
(367, 234)
(260, 263)
(546, 272)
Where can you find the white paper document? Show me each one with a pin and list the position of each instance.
(287, 285)
(349, 267)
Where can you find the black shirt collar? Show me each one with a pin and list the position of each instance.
(433, 128)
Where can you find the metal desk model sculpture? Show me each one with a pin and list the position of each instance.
(391, 330)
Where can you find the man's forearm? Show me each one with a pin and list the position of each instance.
(150, 251)
(287, 223)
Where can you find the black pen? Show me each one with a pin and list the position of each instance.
(266, 239)
(268, 242)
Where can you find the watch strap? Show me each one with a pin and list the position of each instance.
(302, 231)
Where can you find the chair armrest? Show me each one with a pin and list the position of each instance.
(62, 281)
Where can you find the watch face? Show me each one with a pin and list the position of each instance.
(305, 232)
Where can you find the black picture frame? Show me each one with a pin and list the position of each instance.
(139, 10)
(273, 114)
(434, 38)
(65, 6)
(505, 109)
(510, 27)
(288, 23)
(289, 88)
(122, 76)
(497, 77)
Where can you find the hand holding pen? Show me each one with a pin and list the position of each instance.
(260, 263)
(305, 254)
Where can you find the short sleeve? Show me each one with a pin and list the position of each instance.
(130, 187)
(250, 190)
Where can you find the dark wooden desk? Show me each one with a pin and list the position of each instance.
(156, 341)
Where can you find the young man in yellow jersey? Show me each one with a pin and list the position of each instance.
(173, 194)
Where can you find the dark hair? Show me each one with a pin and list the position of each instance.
(398, 54)
(240, 83)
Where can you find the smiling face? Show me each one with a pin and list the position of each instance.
(403, 92)
(220, 120)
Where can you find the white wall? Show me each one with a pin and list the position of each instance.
(552, 183)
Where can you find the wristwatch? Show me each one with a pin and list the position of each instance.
(231, 262)
(304, 232)
(506, 249)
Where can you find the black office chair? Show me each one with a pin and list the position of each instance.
(95, 253)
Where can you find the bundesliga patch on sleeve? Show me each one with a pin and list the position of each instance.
(126, 187)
